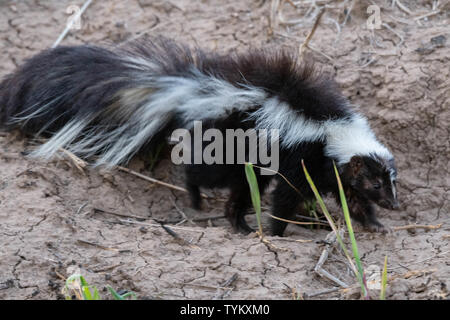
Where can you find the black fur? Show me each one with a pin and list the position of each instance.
(78, 76)
(83, 81)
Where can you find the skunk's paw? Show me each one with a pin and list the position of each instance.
(378, 228)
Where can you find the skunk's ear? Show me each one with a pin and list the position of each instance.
(356, 163)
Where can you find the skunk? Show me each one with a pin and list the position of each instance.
(109, 104)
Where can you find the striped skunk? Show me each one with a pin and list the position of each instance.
(110, 104)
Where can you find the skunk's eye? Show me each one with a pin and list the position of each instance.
(377, 186)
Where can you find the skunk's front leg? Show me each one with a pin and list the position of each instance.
(284, 202)
(363, 211)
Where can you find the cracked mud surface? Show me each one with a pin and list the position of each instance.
(49, 224)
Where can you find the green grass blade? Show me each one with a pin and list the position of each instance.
(75, 283)
(384, 280)
(96, 294)
(129, 294)
(254, 191)
(85, 288)
(351, 233)
(86, 293)
(333, 226)
(327, 215)
(115, 295)
(83, 281)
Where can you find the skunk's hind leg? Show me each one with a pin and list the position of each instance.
(240, 201)
(194, 194)
(236, 208)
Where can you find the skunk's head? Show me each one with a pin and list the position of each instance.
(373, 178)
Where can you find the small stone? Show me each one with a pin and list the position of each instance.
(143, 229)
(438, 41)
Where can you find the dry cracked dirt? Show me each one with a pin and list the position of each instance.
(56, 220)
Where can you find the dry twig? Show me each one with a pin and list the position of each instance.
(101, 246)
(177, 237)
(155, 225)
(402, 7)
(120, 214)
(418, 226)
(220, 295)
(165, 184)
(322, 292)
(330, 240)
(70, 24)
(305, 43)
(77, 162)
(432, 13)
(100, 270)
(296, 222)
(394, 32)
(420, 261)
(181, 212)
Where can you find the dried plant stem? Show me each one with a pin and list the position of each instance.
(98, 245)
(330, 239)
(177, 237)
(81, 164)
(295, 222)
(304, 45)
(409, 263)
(291, 3)
(165, 184)
(282, 176)
(322, 292)
(77, 162)
(274, 7)
(181, 212)
(70, 24)
(390, 279)
(120, 214)
(432, 13)
(158, 225)
(349, 11)
(402, 7)
(418, 226)
(394, 32)
(320, 52)
(293, 240)
(224, 289)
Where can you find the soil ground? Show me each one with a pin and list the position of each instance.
(52, 216)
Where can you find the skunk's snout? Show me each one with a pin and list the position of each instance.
(389, 204)
(395, 205)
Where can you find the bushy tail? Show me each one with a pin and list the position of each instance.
(94, 101)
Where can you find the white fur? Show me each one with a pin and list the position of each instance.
(143, 111)
(141, 63)
(142, 115)
(23, 119)
(294, 128)
(198, 98)
(201, 97)
(62, 139)
(344, 138)
(393, 175)
(394, 190)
